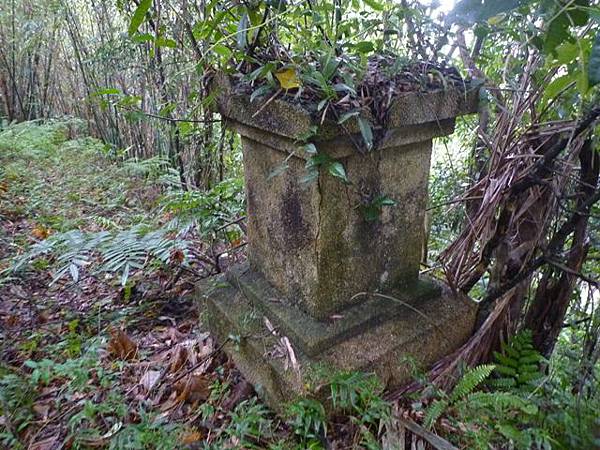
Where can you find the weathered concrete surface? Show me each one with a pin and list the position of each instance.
(314, 257)
(291, 120)
(312, 242)
(426, 332)
(315, 336)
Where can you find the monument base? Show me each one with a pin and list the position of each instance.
(285, 353)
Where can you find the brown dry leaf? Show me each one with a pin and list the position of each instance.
(180, 356)
(240, 392)
(191, 437)
(12, 320)
(121, 346)
(40, 232)
(193, 389)
(177, 256)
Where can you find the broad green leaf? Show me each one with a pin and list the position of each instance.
(222, 50)
(577, 12)
(594, 64)
(107, 91)
(342, 87)
(377, 6)
(557, 33)
(567, 52)
(337, 170)
(556, 86)
(310, 148)
(366, 132)
(242, 31)
(263, 90)
(139, 15)
(364, 47)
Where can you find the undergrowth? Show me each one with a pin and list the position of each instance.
(74, 214)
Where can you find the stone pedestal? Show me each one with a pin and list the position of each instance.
(345, 290)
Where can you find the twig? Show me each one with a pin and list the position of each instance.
(403, 303)
(436, 442)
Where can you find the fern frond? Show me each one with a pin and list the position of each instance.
(470, 380)
(519, 361)
(433, 413)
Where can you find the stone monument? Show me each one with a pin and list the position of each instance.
(324, 285)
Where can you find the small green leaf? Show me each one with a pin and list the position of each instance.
(261, 91)
(139, 15)
(384, 200)
(377, 6)
(143, 37)
(337, 170)
(278, 171)
(165, 42)
(366, 132)
(364, 47)
(310, 148)
(347, 115)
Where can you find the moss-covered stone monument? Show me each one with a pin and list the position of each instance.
(326, 286)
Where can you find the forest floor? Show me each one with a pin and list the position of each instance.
(92, 363)
(102, 341)
(91, 359)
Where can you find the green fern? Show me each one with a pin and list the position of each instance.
(467, 384)
(119, 252)
(517, 364)
(470, 380)
(502, 401)
(434, 411)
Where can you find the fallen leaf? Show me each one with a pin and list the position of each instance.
(42, 410)
(12, 320)
(191, 437)
(113, 430)
(177, 256)
(193, 389)
(240, 392)
(287, 78)
(121, 346)
(149, 379)
(180, 356)
(40, 232)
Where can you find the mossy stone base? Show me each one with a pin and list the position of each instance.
(314, 336)
(425, 330)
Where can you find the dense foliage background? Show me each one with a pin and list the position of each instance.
(119, 188)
